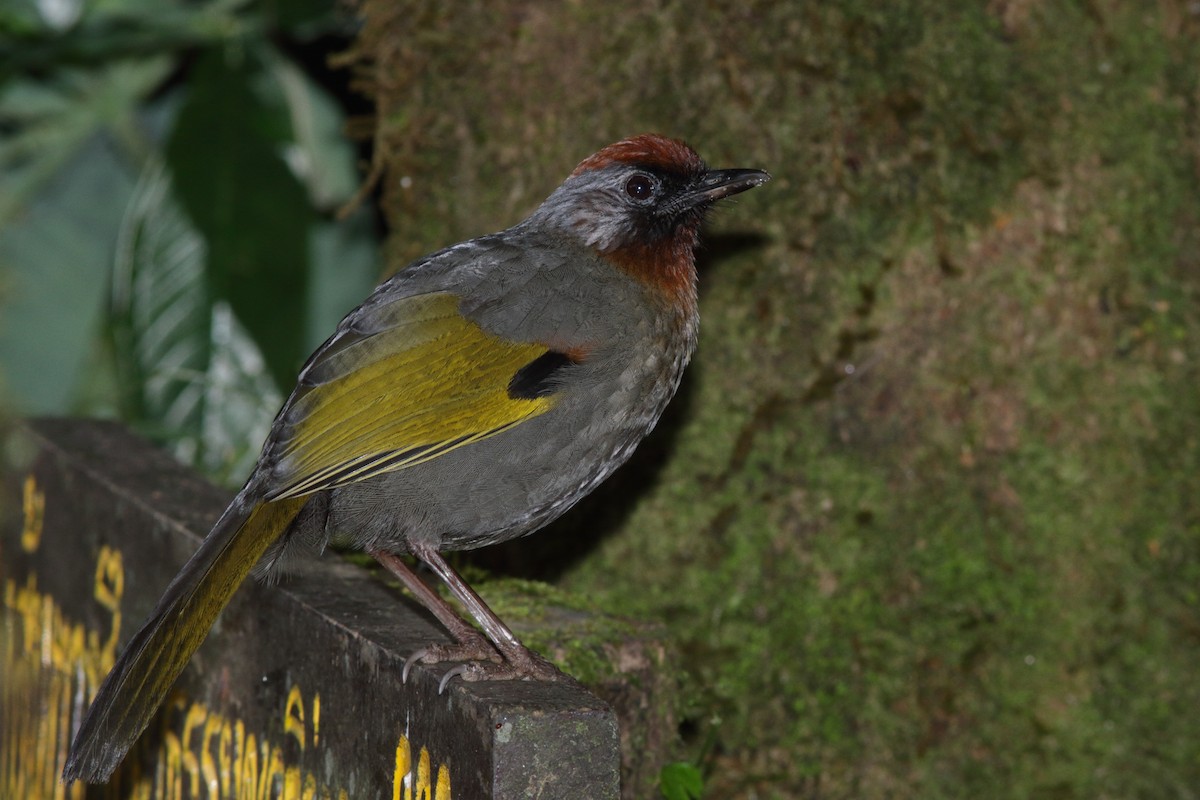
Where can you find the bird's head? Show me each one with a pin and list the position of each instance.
(640, 203)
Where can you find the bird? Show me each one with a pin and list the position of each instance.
(473, 397)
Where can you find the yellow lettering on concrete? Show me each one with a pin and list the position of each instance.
(293, 716)
(169, 777)
(276, 774)
(225, 758)
(291, 782)
(406, 786)
(108, 591)
(51, 666)
(208, 764)
(247, 772)
(34, 502)
(423, 790)
(403, 766)
(316, 719)
(193, 721)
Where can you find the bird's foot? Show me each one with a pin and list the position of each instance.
(480, 661)
(524, 665)
(470, 648)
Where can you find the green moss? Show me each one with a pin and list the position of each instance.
(924, 520)
(574, 633)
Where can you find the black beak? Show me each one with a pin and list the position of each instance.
(720, 183)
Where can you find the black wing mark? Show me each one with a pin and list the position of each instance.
(540, 377)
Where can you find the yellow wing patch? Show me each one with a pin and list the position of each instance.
(432, 381)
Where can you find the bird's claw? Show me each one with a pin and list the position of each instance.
(408, 663)
(481, 662)
(471, 650)
(461, 669)
(531, 669)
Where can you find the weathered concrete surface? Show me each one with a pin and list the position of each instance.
(297, 691)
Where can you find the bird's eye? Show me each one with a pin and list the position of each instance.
(639, 187)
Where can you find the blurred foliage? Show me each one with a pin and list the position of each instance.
(681, 781)
(170, 248)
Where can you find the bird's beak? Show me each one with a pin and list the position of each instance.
(720, 183)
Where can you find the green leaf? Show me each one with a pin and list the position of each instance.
(298, 14)
(240, 402)
(50, 120)
(54, 267)
(101, 32)
(681, 781)
(345, 268)
(170, 9)
(343, 253)
(225, 156)
(195, 378)
(319, 155)
(18, 17)
(161, 311)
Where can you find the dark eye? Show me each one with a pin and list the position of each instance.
(639, 187)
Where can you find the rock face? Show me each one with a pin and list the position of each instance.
(926, 517)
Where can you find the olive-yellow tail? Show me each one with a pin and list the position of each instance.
(158, 652)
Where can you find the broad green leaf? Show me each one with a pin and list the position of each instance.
(50, 120)
(224, 154)
(300, 15)
(166, 8)
(343, 253)
(106, 33)
(19, 17)
(54, 267)
(681, 781)
(319, 154)
(196, 379)
(161, 311)
(240, 403)
(345, 268)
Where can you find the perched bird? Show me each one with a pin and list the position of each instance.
(472, 398)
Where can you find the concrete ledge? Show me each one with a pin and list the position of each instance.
(296, 692)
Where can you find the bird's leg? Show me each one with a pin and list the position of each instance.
(470, 645)
(520, 661)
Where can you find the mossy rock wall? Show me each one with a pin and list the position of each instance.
(925, 519)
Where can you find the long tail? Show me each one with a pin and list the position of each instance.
(147, 669)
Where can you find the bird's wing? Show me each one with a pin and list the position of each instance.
(407, 383)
